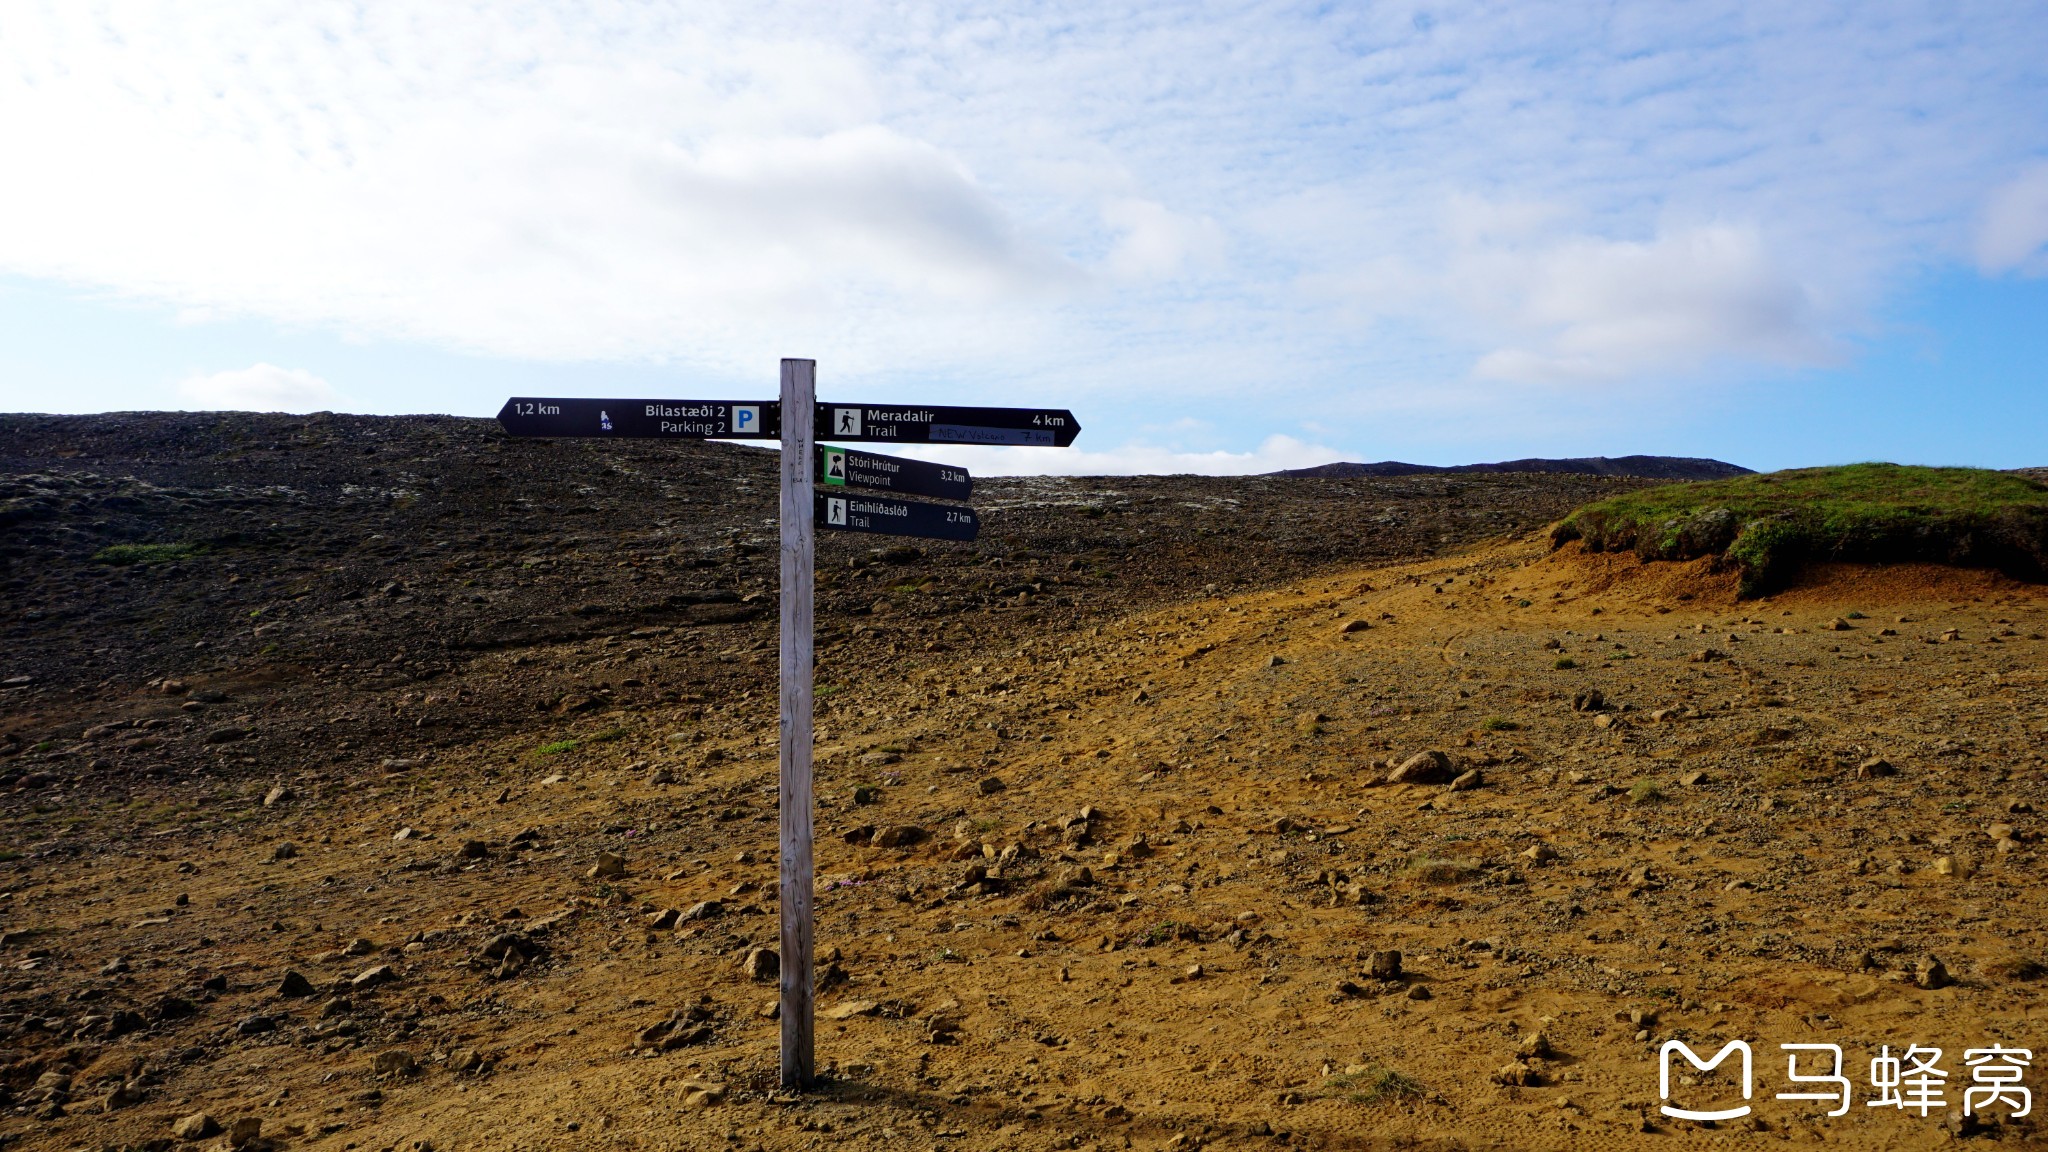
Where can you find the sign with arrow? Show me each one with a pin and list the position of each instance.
(852, 513)
(650, 419)
(819, 486)
(944, 424)
(846, 468)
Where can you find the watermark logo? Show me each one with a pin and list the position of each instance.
(1664, 1080)
(1912, 1081)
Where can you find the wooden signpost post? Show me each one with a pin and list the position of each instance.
(824, 487)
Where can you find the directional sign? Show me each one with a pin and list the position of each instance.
(850, 513)
(845, 468)
(939, 424)
(658, 419)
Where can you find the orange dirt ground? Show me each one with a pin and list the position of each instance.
(1705, 857)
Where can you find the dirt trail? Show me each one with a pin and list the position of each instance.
(1152, 872)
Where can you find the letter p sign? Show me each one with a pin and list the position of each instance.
(746, 419)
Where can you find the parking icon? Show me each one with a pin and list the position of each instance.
(746, 418)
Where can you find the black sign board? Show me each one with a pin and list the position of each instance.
(658, 419)
(941, 424)
(846, 468)
(853, 513)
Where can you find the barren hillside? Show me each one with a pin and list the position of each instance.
(461, 835)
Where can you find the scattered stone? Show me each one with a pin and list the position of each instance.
(1839, 625)
(1535, 1045)
(1418, 992)
(395, 1062)
(1384, 965)
(226, 735)
(474, 850)
(284, 851)
(990, 785)
(126, 1094)
(1468, 780)
(1954, 866)
(761, 965)
(360, 946)
(1931, 973)
(660, 777)
(1539, 854)
(852, 1008)
(609, 866)
(702, 1094)
(1692, 779)
(880, 759)
(278, 795)
(372, 977)
(1874, 767)
(295, 985)
(255, 1026)
(1431, 767)
(196, 1126)
(899, 836)
(114, 967)
(1590, 700)
(1351, 626)
(1516, 1075)
(464, 1061)
(703, 910)
(245, 1132)
(664, 919)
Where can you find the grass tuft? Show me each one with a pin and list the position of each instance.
(1645, 792)
(558, 747)
(1434, 870)
(124, 554)
(1769, 525)
(1372, 1085)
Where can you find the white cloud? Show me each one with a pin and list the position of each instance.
(2014, 233)
(1148, 202)
(1604, 310)
(1134, 458)
(260, 388)
(1158, 242)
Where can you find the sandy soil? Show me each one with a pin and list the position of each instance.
(1156, 867)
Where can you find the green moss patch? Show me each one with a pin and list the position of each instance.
(145, 553)
(1769, 525)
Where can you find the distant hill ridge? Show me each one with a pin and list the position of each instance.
(1651, 467)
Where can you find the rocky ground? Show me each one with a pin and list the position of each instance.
(428, 801)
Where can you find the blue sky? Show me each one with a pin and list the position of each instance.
(1230, 237)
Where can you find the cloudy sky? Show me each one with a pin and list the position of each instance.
(1231, 237)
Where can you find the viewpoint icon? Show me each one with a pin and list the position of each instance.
(1691, 1057)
